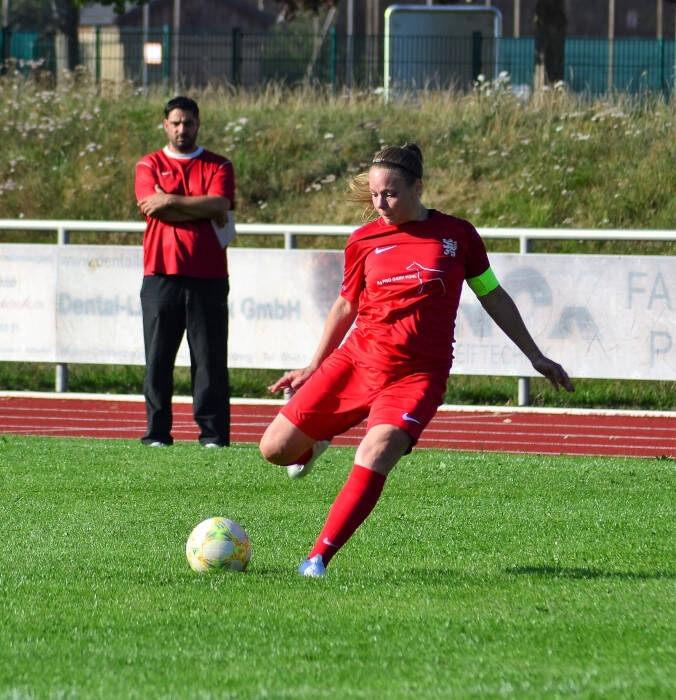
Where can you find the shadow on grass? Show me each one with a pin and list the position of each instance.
(587, 573)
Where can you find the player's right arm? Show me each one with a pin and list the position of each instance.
(338, 323)
(146, 177)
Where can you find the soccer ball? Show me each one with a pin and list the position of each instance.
(218, 543)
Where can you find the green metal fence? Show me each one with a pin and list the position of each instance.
(195, 59)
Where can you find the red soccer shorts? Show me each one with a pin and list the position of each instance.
(340, 394)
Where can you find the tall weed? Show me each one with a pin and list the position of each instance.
(555, 160)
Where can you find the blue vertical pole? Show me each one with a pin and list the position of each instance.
(166, 55)
(6, 48)
(334, 49)
(236, 56)
(477, 67)
(97, 55)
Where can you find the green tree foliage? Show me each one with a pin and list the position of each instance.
(288, 9)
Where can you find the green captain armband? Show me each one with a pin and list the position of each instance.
(484, 283)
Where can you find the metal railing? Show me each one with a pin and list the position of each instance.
(289, 232)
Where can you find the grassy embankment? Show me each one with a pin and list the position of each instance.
(556, 161)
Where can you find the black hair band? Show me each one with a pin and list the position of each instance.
(397, 165)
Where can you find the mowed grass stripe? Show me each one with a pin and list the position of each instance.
(477, 575)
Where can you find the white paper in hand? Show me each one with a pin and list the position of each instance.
(225, 233)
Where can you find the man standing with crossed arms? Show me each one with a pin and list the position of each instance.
(185, 193)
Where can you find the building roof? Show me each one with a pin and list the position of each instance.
(96, 14)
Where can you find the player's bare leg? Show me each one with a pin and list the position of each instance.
(382, 447)
(283, 443)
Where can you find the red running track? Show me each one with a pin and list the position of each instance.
(535, 431)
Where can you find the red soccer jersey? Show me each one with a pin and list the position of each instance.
(407, 281)
(188, 248)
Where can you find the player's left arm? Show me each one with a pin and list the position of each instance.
(501, 308)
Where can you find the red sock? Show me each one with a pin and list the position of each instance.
(304, 458)
(353, 504)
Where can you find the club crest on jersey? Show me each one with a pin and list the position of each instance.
(450, 246)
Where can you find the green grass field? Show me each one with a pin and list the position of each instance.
(478, 575)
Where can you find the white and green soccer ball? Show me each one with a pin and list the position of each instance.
(218, 543)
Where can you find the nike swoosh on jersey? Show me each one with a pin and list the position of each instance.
(384, 248)
(410, 419)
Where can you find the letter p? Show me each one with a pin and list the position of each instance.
(660, 344)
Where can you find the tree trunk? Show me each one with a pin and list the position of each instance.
(68, 17)
(550, 24)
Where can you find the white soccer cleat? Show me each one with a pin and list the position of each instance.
(296, 471)
(313, 567)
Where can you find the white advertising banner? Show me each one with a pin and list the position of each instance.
(27, 309)
(600, 316)
(98, 307)
(279, 300)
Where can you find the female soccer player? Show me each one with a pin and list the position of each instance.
(386, 349)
